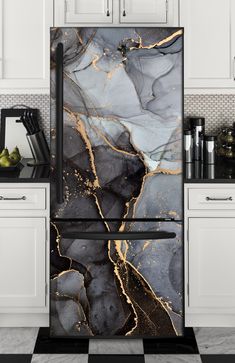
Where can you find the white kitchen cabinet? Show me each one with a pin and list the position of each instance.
(72, 12)
(211, 262)
(22, 262)
(209, 44)
(209, 255)
(24, 254)
(138, 11)
(24, 45)
(116, 12)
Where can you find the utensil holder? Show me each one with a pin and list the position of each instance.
(39, 148)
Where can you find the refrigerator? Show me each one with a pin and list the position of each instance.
(116, 182)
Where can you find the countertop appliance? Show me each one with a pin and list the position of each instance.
(116, 182)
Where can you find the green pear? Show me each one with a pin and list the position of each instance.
(4, 152)
(5, 161)
(15, 155)
(16, 150)
(15, 158)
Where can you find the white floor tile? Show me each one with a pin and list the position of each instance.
(17, 340)
(172, 358)
(116, 346)
(60, 358)
(215, 340)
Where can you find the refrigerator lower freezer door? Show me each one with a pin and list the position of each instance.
(126, 286)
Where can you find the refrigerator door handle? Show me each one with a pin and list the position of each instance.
(59, 123)
(119, 235)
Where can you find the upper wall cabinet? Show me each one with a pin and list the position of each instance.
(84, 11)
(138, 11)
(116, 12)
(209, 43)
(24, 45)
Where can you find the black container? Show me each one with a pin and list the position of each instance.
(198, 127)
(188, 146)
(210, 143)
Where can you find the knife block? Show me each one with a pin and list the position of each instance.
(39, 149)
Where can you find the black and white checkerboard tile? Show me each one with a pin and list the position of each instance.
(209, 346)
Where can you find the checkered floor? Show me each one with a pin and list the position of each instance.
(201, 345)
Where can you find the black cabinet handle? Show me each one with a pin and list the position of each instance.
(219, 199)
(119, 235)
(59, 123)
(107, 11)
(124, 8)
(15, 198)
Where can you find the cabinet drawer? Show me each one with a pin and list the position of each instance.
(22, 198)
(211, 198)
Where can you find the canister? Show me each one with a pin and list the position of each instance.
(210, 149)
(198, 127)
(188, 146)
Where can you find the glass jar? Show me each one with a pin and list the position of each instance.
(227, 136)
(229, 152)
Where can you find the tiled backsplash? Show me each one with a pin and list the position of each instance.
(42, 102)
(218, 110)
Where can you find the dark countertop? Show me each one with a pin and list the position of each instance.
(26, 174)
(221, 172)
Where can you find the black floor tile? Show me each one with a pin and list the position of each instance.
(179, 345)
(15, 358)
(215, 358)
(47, 345)
(111, 358)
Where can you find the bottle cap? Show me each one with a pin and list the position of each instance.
(197, 121)
(188, 132)
(210, 138)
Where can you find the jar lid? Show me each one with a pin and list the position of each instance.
(210, 138)
(188, 132)
(197, 121)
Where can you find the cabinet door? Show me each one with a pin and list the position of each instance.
(209, 43)
(22, 262)
(139, 11)
(24, 44)
(75, 12)
(211, 262)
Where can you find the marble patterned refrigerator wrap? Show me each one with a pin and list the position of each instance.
(122, 159)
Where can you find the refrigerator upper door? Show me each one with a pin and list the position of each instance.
(116, 101)
(116, 284)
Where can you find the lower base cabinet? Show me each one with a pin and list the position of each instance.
(211, 263)
(22, 262)
(24, 254)
(209, 255)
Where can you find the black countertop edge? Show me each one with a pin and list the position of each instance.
(24, 180)
(209, 181)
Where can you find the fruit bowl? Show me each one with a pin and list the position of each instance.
(11, 167)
